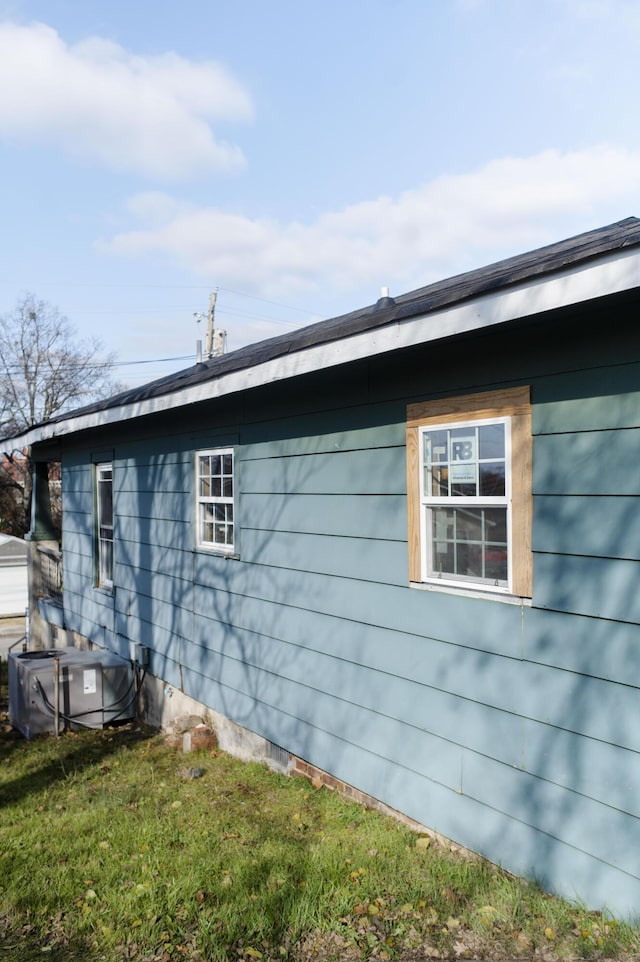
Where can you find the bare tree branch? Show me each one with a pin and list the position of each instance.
(45, 371)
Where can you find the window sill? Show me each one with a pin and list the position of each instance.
(481, 593)
(217, 553)
(107, 590)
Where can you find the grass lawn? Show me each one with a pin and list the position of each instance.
(110, 851)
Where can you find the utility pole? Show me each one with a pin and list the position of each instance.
(216, 340)
(208, 344)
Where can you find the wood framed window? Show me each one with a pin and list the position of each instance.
(215, 499)
(469, 465)
(104, 524)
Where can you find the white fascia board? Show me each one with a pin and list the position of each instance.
(611, 274)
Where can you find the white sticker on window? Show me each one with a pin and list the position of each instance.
(463, 473)
(89, 680)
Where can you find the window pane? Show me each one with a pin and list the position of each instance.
(463, 444)
(206, 532)
(443, 559)
(492, 479)
(469, 525)
(105, 561)
(105, 501)
(435, 446)
(463, 490)
(496, 564)
(463, 466)
(495, 520)
(443, 550)
(469, 560)
(436, 483)
(443, 520)
(491, 441)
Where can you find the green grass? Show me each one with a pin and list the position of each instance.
(107, 853)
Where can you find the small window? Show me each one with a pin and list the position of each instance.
(104, 524)
(215, 499)
(469, 489)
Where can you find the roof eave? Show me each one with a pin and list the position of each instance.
(617, 272)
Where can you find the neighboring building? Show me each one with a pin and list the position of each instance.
(13, 576)
(402, 545)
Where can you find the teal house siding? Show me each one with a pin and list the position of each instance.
(512, 728)
(510, 725)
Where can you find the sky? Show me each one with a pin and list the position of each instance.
(296, 156)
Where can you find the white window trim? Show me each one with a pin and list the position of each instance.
(476, 501)
(214, 546)
(103, 582)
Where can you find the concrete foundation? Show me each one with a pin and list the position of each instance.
(163, 705)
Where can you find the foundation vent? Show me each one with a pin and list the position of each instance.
(279, 756)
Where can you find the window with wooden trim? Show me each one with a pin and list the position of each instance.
(469, 491)
(104, 524)
(215, 499)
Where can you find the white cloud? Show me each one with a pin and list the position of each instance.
(618, 16)
(97, 101)
(156, 207)
(449, 224)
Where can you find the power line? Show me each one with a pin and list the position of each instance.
(229, 312)
(254, 297)
(178, 287)
(154, 360)
(18, 369)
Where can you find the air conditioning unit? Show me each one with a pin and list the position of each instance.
(96, 688)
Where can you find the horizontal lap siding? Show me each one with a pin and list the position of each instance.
(586, 497)
(383, 517)
(591, 463)
(433, 684)
(369, 472)
(588, 646)
(561, 526)
(598, 587)
(320, 554)
(586, 616)
(434, 711)
(87, 610)
(153, 552)
(511, 729)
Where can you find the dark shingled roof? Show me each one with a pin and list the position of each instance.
(443, 294)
